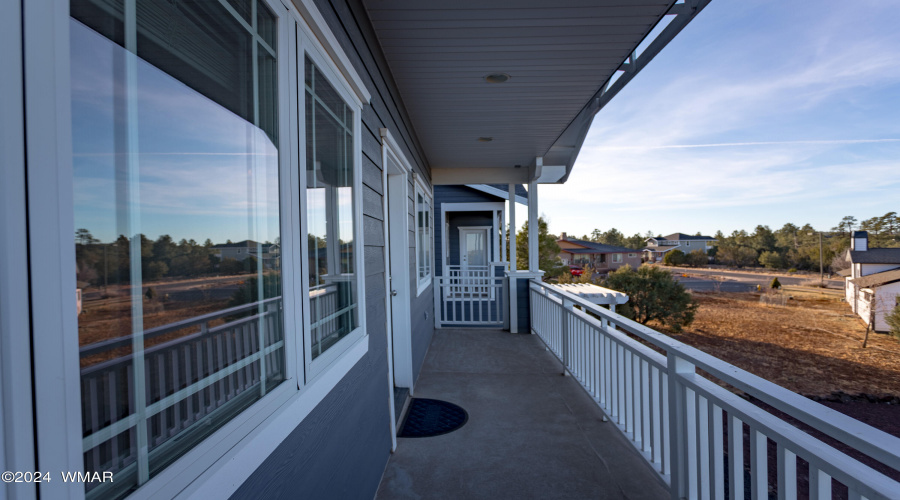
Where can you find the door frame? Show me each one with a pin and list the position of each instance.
(442, 214)
(395, 173)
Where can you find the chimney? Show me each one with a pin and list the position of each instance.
(562, 236)
(859, 241)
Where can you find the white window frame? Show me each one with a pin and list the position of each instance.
(428, 196)
(309, 45)
(616, 258)
(219, 464)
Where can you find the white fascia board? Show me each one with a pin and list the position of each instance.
(497, 192)
(551, 174)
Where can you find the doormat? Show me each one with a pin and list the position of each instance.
(431, 417)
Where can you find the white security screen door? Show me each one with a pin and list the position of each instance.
(473, 248)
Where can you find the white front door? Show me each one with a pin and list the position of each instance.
(473, 249)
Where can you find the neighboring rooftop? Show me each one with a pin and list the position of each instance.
(876, 256)
(591, 247)
(878, 279)
(683, 237)
(241, 244)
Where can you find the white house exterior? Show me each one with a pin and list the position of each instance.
(658, 247)
(874, 280)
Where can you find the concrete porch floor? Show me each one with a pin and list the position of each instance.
(532, 433)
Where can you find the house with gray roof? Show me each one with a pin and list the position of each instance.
(659, 246)
(872, 287)
(601, 257)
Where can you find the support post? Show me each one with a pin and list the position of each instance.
(533, 228)
(512, 228)
(513, 286)
(564, 329)
(503, 257)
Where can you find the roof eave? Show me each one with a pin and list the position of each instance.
(567, 147)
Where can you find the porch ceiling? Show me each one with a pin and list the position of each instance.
(558, 55)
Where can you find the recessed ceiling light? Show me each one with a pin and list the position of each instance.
(497, 78)
(485, 139)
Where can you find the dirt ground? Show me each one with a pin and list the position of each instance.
(812, 346)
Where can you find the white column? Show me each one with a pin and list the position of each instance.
(513, 287)
(512, 227)
(533, 253)
(502, 237)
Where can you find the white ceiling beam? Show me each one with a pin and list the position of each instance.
(473, 175)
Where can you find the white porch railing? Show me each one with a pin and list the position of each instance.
(698, 435)
(190, 382)
(470, 297)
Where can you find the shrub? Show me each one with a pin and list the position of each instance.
(697, 258)
(771, 260)
(893, 320)
(775, 284)
(674, 258)
(652, 295)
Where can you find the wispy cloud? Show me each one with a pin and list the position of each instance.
(745, 144)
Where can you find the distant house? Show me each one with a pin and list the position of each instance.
(657, 247)
(602, 258)
(874, 280)
(243, 250)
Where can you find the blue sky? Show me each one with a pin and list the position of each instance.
(760, 112)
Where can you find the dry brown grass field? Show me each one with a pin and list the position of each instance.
(109, 316)
(812, 346)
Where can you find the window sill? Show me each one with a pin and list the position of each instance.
(221, 463)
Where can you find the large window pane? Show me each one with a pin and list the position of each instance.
(178, 240)
(329, 213)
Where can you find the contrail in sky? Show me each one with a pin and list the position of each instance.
(739, 144)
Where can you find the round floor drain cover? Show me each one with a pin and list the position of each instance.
(431, 417)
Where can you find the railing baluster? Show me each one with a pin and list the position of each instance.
(176, 385)
(646, 436)
(717, 452)
(628, 379)
(654, 409)
(114, 403)
(191, 355)
(665, 428)
(564, 333)
(703, 473)
(819, 484)
(759, 467)
(787, 473)
(735, 459)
